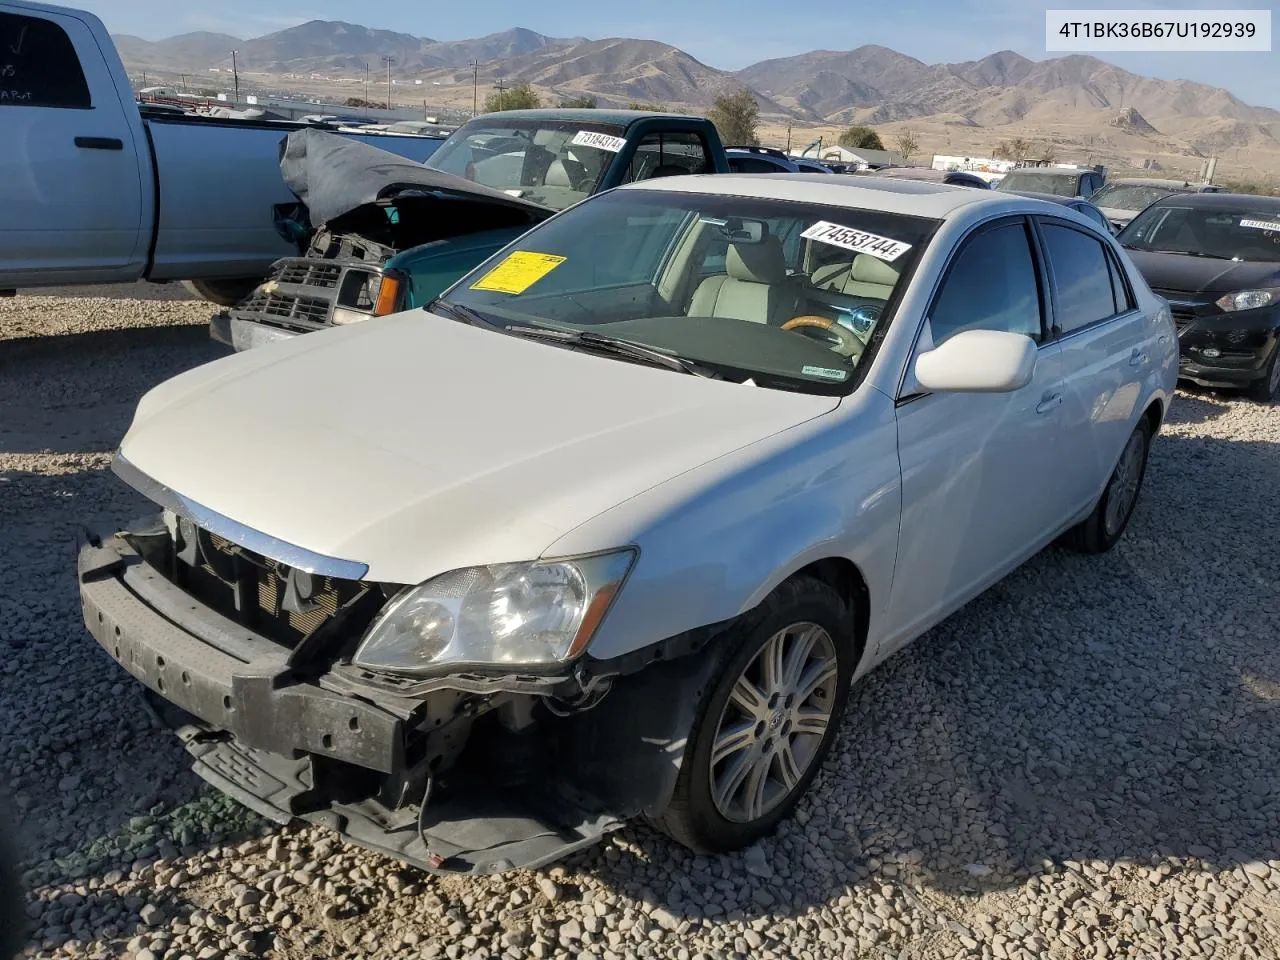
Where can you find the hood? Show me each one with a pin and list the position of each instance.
(333, 175)
(415, 444)
(1118, 214)
(1183, 274)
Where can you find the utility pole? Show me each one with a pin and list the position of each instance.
(788, 138)
(366, 84)
(475, 87)
(235, 74)
(388, 60)
(183, 76)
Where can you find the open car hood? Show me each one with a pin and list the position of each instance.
(333, 175)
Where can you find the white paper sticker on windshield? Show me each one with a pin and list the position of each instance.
(601, 141)
(1260, 224)
(826, 373)
(859, 241)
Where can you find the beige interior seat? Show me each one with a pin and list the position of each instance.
(754, 286)
(866, 276)
(557, 175)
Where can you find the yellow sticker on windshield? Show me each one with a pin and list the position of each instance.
(520, 271)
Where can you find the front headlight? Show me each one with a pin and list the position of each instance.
(1246, 300)
(511, 614)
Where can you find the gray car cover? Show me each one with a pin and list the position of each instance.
(333, 175)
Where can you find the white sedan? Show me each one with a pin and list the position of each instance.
(611, 527)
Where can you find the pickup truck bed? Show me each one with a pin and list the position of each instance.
(96, 190)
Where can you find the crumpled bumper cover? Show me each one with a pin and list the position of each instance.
(266, 739)
(225, 675)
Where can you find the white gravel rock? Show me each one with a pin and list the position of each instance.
(1084, 762)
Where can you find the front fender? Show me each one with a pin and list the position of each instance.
(716, 540)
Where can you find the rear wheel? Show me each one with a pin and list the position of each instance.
(1267, 388)
(1102, 529)
(225, 293)
(768, 722)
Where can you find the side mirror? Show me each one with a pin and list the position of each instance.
(978, 361)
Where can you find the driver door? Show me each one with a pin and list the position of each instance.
(982, 474)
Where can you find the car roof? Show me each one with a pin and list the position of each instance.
(1221, 201)
(917, 198)
(621, 118)
(1168, 184)
(1050, 197)
(1051, 171)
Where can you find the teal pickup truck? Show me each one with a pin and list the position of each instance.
(383, 234)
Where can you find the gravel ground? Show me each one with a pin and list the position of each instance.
(1085, 762)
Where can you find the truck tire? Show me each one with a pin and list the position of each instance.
(225, 293)
(727, 802)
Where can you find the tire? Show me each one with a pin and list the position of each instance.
(801, 611)
(1267, 388)
(225, 293)
(1104, 527)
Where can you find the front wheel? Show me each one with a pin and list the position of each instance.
(1267, 388)
(767, 722)
(1101, 530)
(225, 293)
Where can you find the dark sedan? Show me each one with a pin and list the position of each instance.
(1085, 208)
(1216, 258)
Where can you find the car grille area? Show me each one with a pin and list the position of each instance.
(279, 602)
(301, 293)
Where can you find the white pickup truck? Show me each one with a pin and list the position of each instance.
(94, 189)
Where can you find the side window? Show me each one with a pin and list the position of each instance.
(1119, 289)
(668, 153)
(1081, 277)
(39, 66)
(990, 285)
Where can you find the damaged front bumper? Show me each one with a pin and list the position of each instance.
(517, 776)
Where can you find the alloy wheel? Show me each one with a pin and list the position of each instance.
(1123, 488)
(774, 722)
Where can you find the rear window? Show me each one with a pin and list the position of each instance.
(39, 66)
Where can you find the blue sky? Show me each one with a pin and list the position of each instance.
(722, 33)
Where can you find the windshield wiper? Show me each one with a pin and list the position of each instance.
(465, 314)
(1196, 253)
(616, 346)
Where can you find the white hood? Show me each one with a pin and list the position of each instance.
(416, 444)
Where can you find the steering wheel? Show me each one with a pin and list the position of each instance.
(849, 345)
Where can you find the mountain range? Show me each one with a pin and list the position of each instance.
(871, 84)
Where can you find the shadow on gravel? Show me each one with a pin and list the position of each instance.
(1112, 708)
(76, 393)
(1196, 406)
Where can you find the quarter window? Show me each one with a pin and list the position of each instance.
(991, 285)
(39, 66)
(1081, 276)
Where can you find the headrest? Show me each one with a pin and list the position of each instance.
(668, 170)
(762, 262)
(869, 269)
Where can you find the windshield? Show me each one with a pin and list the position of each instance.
(1030, 181)
(552, 162)
(1229, 233)
(710, 279)
(1132, 196)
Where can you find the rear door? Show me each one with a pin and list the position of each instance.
(1105, 352)
(71, 181)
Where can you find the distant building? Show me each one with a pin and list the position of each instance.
(973, 164)
(861, 159)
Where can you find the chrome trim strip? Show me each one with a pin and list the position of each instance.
(247, 537)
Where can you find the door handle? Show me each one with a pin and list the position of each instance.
(1137, 358)
(1048, 402)
(99, 143)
